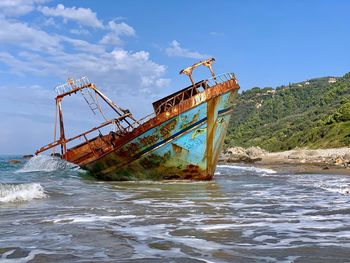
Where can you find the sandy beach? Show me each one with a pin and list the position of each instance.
(333, 160)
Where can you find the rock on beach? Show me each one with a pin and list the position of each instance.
(338, 157)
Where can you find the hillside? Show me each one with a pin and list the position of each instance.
(313, 114)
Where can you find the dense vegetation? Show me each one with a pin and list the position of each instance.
(313, 114)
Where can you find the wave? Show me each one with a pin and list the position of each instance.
(340, 188)
(46, 164)
(87, 219)
(248, 168)
(21, 192)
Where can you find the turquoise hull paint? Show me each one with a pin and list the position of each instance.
(176, 149)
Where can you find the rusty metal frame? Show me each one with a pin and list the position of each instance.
(207, 63)
(63, 141)
(192, 90)
(72, 87)
(206, 84)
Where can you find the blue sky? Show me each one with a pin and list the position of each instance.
(133, 51)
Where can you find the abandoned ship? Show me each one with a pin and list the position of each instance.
(182, 139)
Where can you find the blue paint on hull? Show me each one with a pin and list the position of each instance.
(176, 149)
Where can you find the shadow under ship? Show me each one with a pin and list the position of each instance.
(182, 139)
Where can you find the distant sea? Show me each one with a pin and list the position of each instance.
(51, 211)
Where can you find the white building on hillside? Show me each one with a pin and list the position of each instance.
(332, 80)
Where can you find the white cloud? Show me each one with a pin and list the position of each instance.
(19, 34)
(23, 64)
(18, 7)
(117, 30)
(121, 28)
(49, 22)
(119, 71)
(79, 31)
(175, 50)
(83, 16)
(82, 45)
(62, 56)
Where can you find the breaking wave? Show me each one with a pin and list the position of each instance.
(248, 168)
(335, 187)
(46, 164)
(21, 192)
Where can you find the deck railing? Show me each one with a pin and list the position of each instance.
(82, 135)
(71, 85)
(220, 79)
(193, 90)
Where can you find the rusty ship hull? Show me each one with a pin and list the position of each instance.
(182, 141)
(184, 145)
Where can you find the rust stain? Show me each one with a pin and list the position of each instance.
(211, 128)
(149, 140)
(132, 147)
(196, 133)
(167, 129)
(185, 124)
(177, 148)
(153, 160)
(190, 172)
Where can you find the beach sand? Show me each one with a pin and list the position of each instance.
(325, 161)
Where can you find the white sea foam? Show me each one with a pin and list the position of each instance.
(21, 192)
(343, 189)
(262, 238)
(29, 257)
(248, 168)
(87, 219)
(46, 164)
(329, 183)
(216, 227)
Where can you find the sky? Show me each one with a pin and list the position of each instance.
(133, 51)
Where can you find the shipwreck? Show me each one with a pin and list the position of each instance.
(182, 139)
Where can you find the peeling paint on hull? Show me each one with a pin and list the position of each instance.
(179, 148)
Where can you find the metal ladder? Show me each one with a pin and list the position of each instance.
(90, 100)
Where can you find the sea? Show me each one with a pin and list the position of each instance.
(52, 211)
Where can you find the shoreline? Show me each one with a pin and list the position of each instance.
(298, 161)
(303, 168)
(286, 168)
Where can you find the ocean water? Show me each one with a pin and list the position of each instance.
(51, 211)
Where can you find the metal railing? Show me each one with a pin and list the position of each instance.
(221, 78)
(193, 90)
(114, 122)
(71, 85)
(143, 120)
